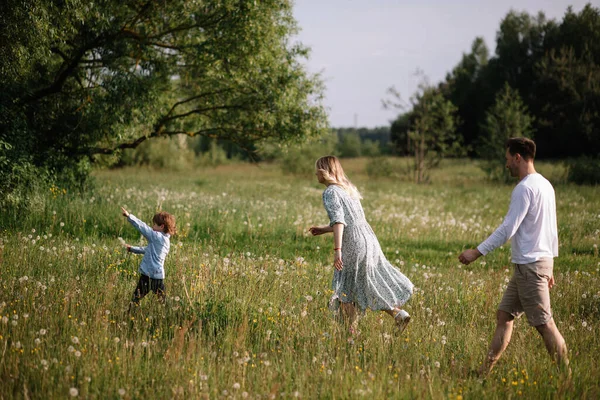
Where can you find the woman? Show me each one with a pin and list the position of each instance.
(363, 277)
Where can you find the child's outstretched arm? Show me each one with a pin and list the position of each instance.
(136, 249)
(144, 229)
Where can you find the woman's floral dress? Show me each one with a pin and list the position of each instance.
(367, 279)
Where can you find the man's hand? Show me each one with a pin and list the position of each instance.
(468, 256)
(551, 282)
(125, 212)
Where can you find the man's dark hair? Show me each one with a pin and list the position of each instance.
(523, 146)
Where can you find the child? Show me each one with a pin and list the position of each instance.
(152, 266)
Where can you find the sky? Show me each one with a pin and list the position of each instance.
(363, 47)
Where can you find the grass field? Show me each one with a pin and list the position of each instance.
(246, 314)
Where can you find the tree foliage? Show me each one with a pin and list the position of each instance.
(507, 118)
(428, 131)
(432, 132)
(554, 66)
(86, 78)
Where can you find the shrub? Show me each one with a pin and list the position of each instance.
(169, 153)
(584, 170)
(379, 167)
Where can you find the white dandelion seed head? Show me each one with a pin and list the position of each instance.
(74, 392)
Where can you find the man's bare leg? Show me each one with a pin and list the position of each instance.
(502, 335)
(555, 344)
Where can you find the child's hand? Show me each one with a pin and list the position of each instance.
(125, 212)
(124, 244)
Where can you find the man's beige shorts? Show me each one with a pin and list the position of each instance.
(528, 292)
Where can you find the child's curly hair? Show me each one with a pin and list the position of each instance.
(166, 219)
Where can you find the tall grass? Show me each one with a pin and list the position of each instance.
(246, 314)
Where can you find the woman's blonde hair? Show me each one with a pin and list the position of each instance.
(333, 174)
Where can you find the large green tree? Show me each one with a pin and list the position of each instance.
(567, 86)
(84, 78)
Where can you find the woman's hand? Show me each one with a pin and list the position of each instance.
(318, 230)
(337, 260)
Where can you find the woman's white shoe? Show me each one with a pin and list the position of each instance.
(402, 319)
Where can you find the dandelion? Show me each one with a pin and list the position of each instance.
(74, 392)
(244, 395)
(75, 340)
(37, 341)
(5, 320)
(308, 298)
(437, 364)
(122, 392)
(236, 386)
(70, 349)
(77, 354)
(42, 332)
(61, 225)
(584, 324)
(116, 340)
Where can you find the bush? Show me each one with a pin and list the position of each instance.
(169, 153)
(21, 183)
(350, 146)
(379, 167)
(214, 156)
(371, 148)
(300, 159)
(584, 170)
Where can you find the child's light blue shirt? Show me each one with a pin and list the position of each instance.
(155, 253)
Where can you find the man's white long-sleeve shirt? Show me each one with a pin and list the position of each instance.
(530, 222)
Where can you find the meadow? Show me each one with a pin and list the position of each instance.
(246, 314)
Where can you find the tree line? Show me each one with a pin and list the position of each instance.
(542, 81)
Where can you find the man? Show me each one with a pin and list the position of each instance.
(531, 223)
